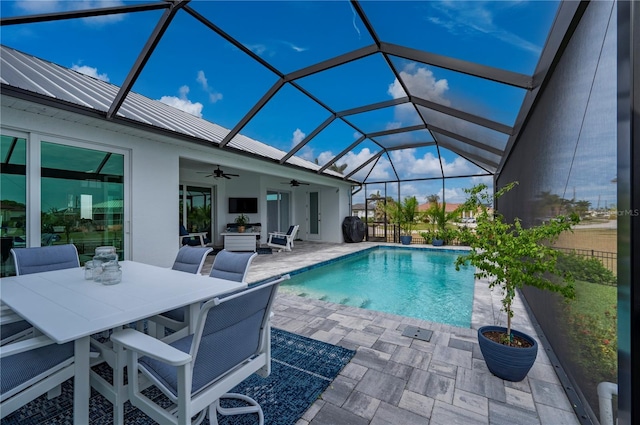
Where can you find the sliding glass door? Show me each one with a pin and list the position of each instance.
(13, 198)
(278, 211)
(53, 193)
(196, 205)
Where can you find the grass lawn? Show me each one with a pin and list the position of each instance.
(592, 321)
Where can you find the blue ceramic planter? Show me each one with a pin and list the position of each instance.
(437, 242)
(406, 239)
(508, 363)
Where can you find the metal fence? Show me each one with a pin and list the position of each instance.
(608, 259)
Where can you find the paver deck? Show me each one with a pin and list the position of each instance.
(395, 379)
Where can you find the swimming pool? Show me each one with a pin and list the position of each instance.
(420, 283)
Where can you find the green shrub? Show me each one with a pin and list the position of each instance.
(586, 269)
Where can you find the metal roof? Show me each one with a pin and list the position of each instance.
(437, 126)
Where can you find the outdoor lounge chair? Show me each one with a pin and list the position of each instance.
(283, 241)
(231, 342)
(192, 239)
(34, 260)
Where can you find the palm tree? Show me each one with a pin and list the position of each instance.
(433, 198)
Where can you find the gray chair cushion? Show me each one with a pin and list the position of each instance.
(278, 240)
(230, 265)
(189, 259)
(11, 329)
(20, 368)
(45, 258)
(231, 335)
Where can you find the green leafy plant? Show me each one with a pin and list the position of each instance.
(587, 269)
(511, 256)
(242, 220)
(439, 218)
(404, 213)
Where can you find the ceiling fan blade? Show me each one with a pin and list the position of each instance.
(226, 176)
(233, 175)
(209, 175)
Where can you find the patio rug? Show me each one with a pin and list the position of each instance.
(301, 369)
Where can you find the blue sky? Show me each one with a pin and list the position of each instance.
(198, 71)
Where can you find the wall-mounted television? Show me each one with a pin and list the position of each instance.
(243, 205)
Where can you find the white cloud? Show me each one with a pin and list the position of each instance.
(214, 96)
(294, 47)
(298, 136)
(380, 172)
(478, 17)
(90, 71)
(183, 103)
(420, 82)
(259, 49)
(202, 79)
(49, 6)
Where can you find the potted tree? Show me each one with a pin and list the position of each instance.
(241, 221)
(406, 215)
(510, 257)
(439, 217)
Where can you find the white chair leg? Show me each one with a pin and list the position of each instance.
(253, 407)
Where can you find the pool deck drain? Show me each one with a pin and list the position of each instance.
(417, 333)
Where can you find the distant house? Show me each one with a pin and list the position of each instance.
(358, 210)
(450, 207)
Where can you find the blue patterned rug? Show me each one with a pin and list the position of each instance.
(301, 369)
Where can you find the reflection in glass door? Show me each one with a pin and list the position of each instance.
(314, 216)
(196, 217)
(278, 217)
(82, 198)
(13, 201)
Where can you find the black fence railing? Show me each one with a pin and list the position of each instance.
(608, 259)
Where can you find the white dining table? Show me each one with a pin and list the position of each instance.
(65, 307)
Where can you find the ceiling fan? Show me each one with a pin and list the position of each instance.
(295, 183)
(217, 173)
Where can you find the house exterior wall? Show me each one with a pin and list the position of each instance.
(154, 175)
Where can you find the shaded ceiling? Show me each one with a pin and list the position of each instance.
(362, 88)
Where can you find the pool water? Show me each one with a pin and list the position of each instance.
(420, 283)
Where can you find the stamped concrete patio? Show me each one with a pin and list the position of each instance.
(394, 379)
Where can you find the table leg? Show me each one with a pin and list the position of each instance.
(81, 386)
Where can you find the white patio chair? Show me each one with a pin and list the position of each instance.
(34, 260)
(283, 241)
(226, 265)
(231, 341)
(190, 260)
(33, 367)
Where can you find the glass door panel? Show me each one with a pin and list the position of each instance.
(13, 199)
(82, 198)
(278, 217)
(199, 205)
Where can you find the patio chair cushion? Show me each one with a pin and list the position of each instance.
(19, 370)
(190, 259)
(45, 258)
(229, 338)
(10, 329)
(279, 240)
(230, 265)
